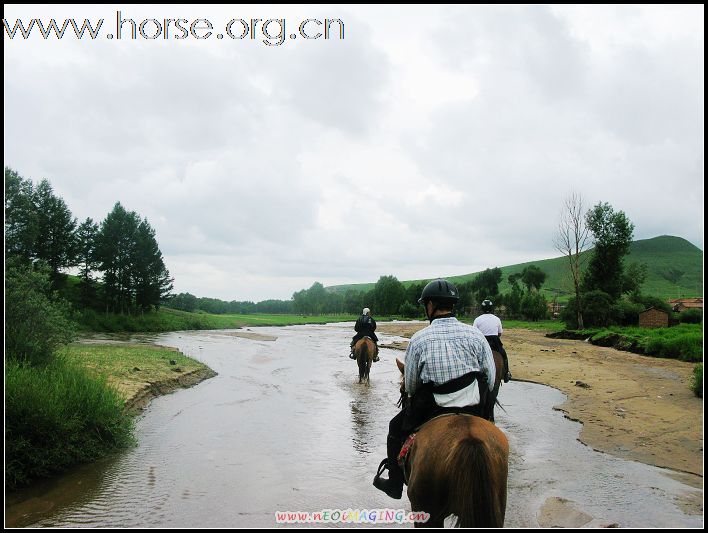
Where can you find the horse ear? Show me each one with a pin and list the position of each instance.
(400, 365)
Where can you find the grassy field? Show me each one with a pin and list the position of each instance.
(544, 325)
(128, 368)
(175, 320)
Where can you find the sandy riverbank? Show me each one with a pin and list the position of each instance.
(631, 406)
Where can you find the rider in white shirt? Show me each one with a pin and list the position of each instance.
(491, 327)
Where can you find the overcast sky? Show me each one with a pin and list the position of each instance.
(429, 141)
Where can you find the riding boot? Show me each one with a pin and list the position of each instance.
(393, 486)
(351, 353)
(507, 374)
(376, 355)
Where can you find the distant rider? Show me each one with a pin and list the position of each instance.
(448, 368)
(491, 327)
(365, 327)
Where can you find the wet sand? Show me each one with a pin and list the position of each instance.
(631, 406)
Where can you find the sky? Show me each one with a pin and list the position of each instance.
(419, 142)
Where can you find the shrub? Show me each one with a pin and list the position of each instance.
(568, 315)
(697, 384)
(651, 301)
(57, 416)
(533, 306)
(36, 322)
(409, 310)
(597, 309)
(691, 316)
(676, 343)
(626, 313)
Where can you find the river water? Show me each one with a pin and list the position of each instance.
(285, 426)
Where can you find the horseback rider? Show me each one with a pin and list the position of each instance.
(365, 327)
(491, 327)
(448, 368)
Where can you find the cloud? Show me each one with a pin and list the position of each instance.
(429, 142)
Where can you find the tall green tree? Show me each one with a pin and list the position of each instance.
(115, 251)
(467, 297)
(533, 277)
(86, 238)
(150, 279)
(20, 216)
(184, 301)
(635, 274)
(486, 283)
(310, 301)
(55, 241)
(389, 294)
(612, 232)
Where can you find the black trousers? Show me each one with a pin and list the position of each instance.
(495, 343)
(421, 408)
(362, 335)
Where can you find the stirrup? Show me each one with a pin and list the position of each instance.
(393, 489)
(382, 468)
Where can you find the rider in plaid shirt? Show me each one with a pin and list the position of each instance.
(449, 368)
(445, 350)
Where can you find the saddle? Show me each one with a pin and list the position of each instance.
(376, 346)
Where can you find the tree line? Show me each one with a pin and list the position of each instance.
(121, 251)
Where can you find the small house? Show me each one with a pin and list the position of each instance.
(654, 318)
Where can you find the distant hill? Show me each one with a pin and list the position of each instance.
(675, 269)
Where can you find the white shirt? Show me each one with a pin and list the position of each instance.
(488, 324)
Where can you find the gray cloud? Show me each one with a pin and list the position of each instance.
(438, 141)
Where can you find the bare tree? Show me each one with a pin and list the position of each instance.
(571, 239)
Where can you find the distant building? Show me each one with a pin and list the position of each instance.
(682, 304)
(654, 318)
(554, 308)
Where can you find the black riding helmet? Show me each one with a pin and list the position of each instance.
(487, 306)
(439, 290)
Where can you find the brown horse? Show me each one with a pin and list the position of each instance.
(364, 350)
(458, 464)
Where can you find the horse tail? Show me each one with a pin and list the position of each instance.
(472, 486)
(362, 359)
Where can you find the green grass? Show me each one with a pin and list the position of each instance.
(542, 325)
(56, 416)
(545, 325)
(684, 341)
(661, 255)
(697, 384)
(127, 368)
(175, 320)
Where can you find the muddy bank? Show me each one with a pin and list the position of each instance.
(631, 406)
(141, 398)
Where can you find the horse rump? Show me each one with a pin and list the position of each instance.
(475, 497)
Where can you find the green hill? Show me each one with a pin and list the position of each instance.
(675, 269)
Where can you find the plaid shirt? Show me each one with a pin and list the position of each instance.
(445, 350)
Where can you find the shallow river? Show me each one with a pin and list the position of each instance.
(285, 426)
